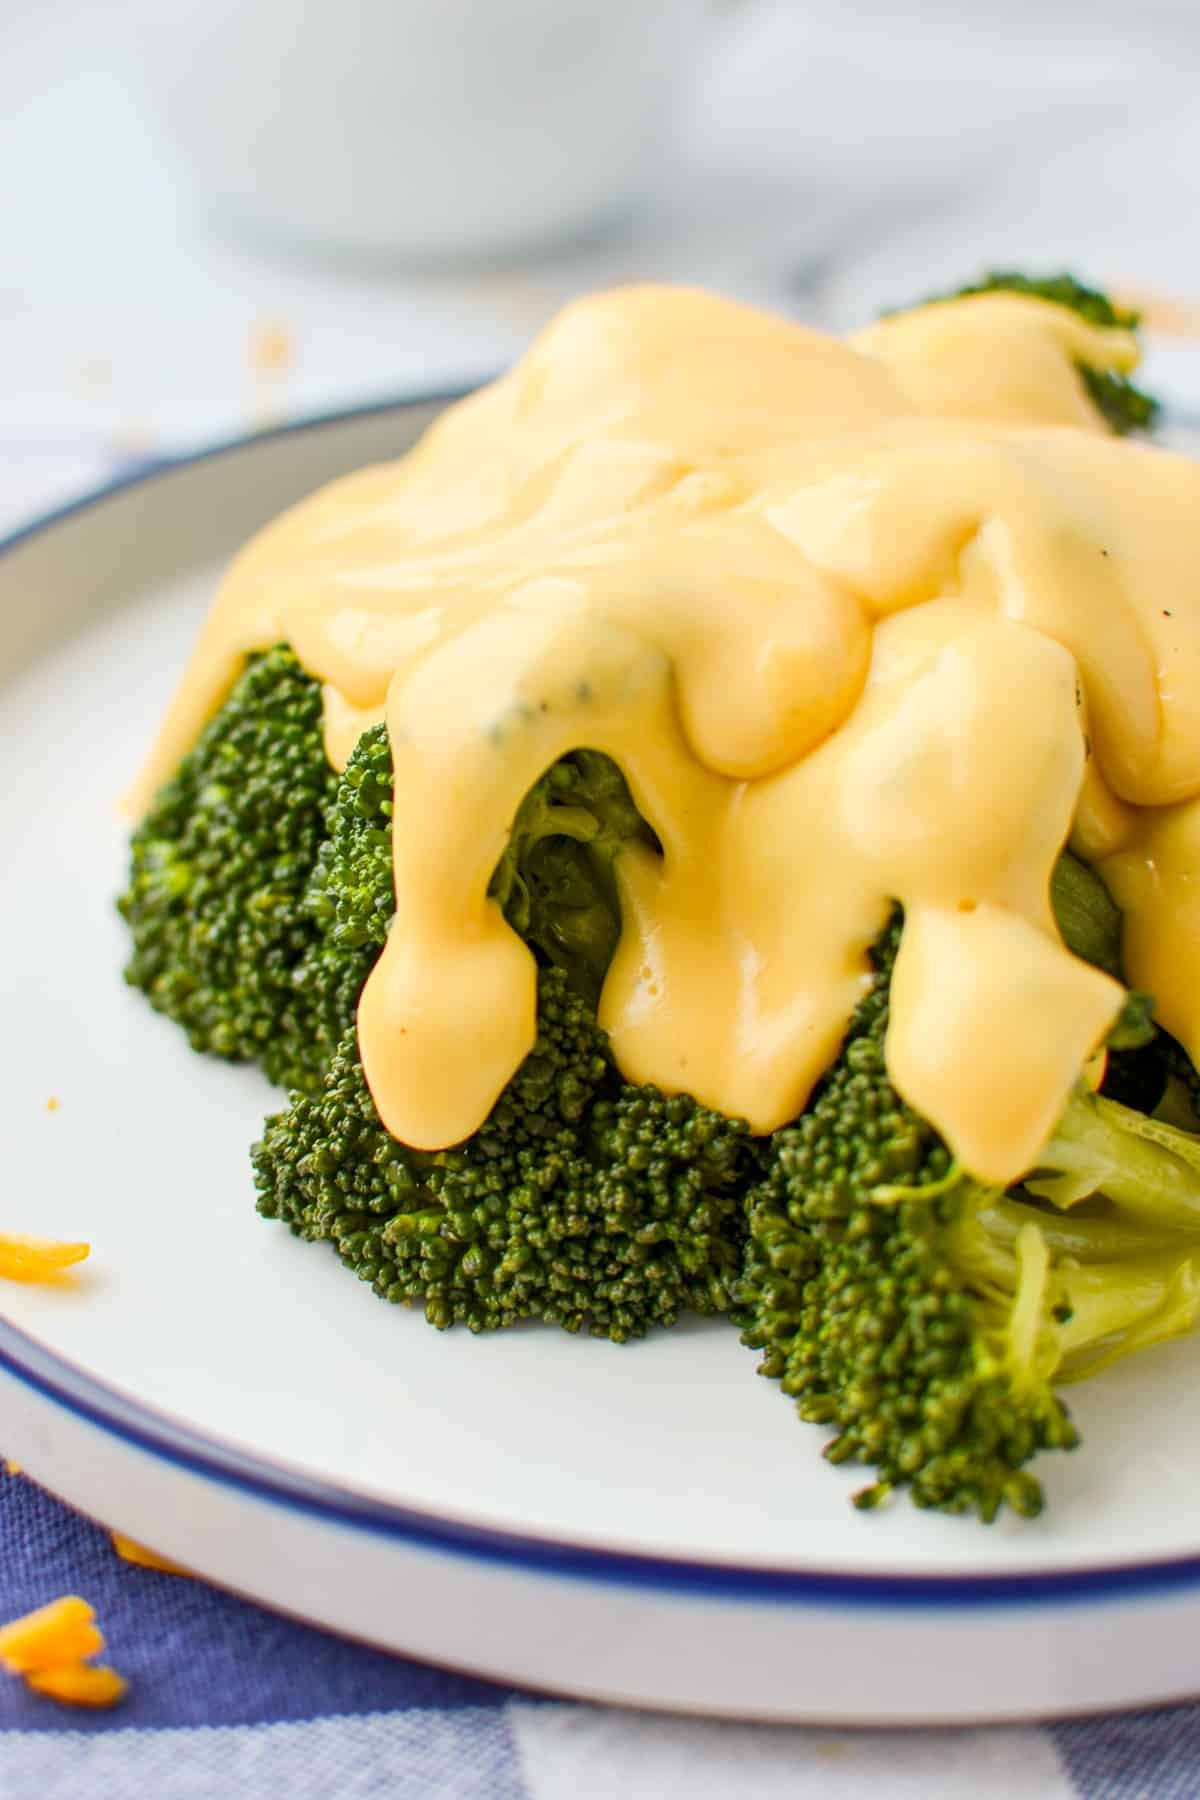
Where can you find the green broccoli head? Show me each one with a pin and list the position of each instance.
(216, 903)
(927, 1318)
(555, 882)
(1061, 290)
(1124, 407)
(349, 897)
(882, 1306)
(582, 1200)
(260, 888)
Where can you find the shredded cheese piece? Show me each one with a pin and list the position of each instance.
(81, 1684)
(132, 1552)
(12, 1468)
(63, 1632)
(37, 1259)
(270, 347)
(50, 1648)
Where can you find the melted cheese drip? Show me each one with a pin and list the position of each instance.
(867, 621)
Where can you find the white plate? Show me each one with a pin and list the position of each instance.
(646, 1523)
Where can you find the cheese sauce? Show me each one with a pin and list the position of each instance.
(866, 621)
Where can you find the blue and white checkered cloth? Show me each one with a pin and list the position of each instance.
(229, 1702)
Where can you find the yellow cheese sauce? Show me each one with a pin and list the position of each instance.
(864, 621)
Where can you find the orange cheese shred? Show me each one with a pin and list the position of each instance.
(80, 1684)
(132, 1552)
(62, 1632)
(50, 1649)
(35, 1259)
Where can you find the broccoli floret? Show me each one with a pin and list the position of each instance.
(554, 882)
(260, 889)
(220, 867)
(350, 895)
(926, 1317)
(1124, 407)
(879, 1301)
(1062, 290)
(582, 1198)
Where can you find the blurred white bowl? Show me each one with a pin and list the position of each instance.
(422, 128)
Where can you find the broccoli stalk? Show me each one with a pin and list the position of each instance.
(1149, 1171)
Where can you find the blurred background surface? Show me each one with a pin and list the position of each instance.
(828, 160)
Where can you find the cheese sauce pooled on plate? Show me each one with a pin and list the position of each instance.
(865, 621)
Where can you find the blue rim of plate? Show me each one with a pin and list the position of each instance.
(145, 1429)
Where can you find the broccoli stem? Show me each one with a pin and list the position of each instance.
(1118, 1309)
(1086, 1239)
(1150, 1171)
(1137, 1181)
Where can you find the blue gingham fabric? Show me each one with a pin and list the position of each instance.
(230, 1702)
